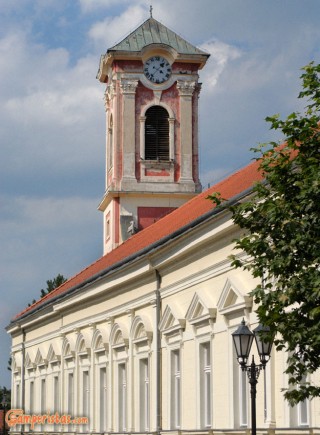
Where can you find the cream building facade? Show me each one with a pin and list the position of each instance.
(140, 341)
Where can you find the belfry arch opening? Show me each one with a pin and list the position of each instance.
(157, 134)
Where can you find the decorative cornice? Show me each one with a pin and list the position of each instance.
(186, 88)
(128, 86)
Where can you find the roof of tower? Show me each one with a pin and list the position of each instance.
(153, 32)
(168, 228)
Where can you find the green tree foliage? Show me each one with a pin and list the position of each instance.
(51, 285)
(5, 396)
(282, 239)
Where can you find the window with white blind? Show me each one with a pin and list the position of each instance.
(175, 402)
(299, 414)
(103, 411)
(85, 398)
(56, 397)
(56, 394)
(17, 396)
(205, 385)
(241, 397)
(144, 394)
(31, 397)
(43, 396)
(122, 396)
(70, 394)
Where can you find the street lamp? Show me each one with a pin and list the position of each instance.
(242, 339)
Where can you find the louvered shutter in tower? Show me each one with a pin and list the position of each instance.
(157, 134)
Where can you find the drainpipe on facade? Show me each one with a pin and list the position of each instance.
(158, 338)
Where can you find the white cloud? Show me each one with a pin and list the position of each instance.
(90, 5)
(221, 55)
(112, 29)
(62, 107)
(53, 106)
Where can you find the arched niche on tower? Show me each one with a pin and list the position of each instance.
(157, 166)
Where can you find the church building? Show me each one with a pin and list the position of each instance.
(140, 341)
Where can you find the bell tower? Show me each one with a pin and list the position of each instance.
(151, 103)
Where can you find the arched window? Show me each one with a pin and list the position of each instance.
(157, 134)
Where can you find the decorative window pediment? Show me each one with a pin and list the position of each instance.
(16, 369)
(233, 297)
(171, 322)
(141, 331)
(99, 343)
(28, 363)
(52, 357)
(119, 337)
(83, 343)
(67, 352)
(142, 334)
(200, 311)
(39, 361)
(82, 347)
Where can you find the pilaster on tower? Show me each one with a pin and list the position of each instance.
(151, 103)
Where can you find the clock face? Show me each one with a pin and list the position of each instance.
(157, 69)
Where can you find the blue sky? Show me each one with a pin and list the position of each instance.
(52, 127)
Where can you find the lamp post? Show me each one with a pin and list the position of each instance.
(242, 339)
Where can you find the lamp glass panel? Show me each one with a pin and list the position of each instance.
(264, 347)
(242, 339)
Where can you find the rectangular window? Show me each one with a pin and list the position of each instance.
(122, 394)
(56, 397)
(205, 385)
(17, 398)
(85, 398)
(56, 394)
(243, 398)
(31, 397)
(299, 414)
(103, 398)
(43, 396)
(85, 392)
(304, 409)
(240, 394)
(175, 390)
(144, 394)
(70, 394)
(303, 413)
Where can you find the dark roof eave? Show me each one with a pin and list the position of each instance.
(136, 255)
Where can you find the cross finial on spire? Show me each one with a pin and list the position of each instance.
(151, 11)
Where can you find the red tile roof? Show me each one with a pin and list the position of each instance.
(231, 186)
